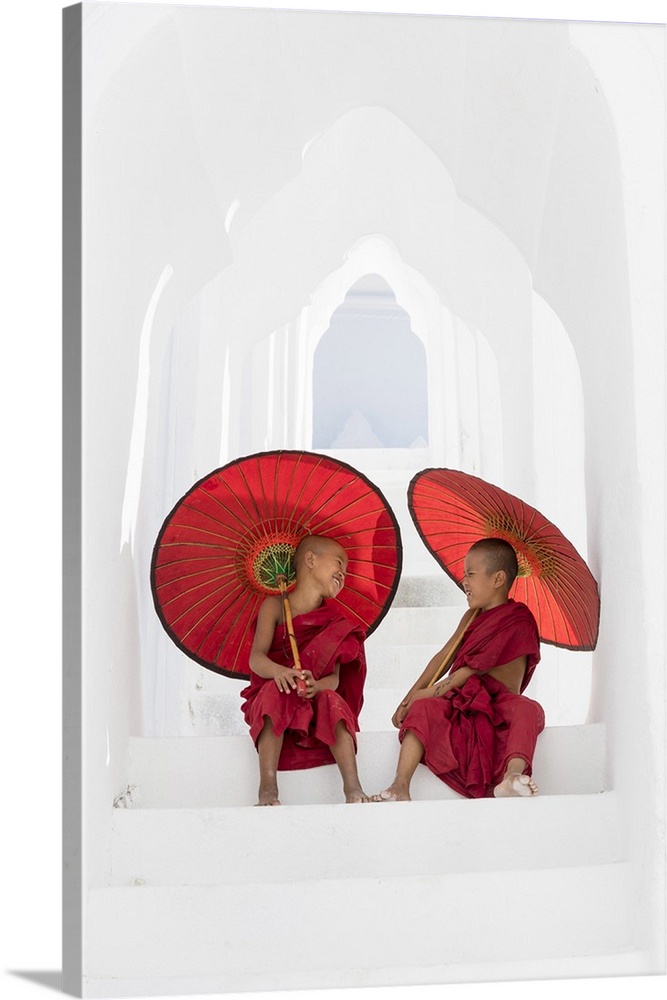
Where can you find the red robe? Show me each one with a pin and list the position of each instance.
(324, 637)
(470, 733)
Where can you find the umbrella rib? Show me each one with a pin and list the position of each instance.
(238, 644)
(223, 579)
(541, 614)
(292, 517)
(240, 470)
(567, 603)
(352, 611)
(223, 540)
(214, 624)
(291, 513)
(204, 513)
(166, 564)
(336, 517)
(217, 500)
(288, 492)
(196, 560)
(358, 577)
(576, 600)
(312, 513)
(185, 585)
(192, 607)
(268, 507)
(247, 600)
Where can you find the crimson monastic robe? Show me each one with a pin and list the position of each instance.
(470, 733)
(324, 637)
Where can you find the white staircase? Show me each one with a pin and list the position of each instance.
(210, 895)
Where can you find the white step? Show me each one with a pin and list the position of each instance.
(211, 772)
(405, 635)
(396, 655)
(212, 714)
(433, 588)
(374, 930)
(379, 707)
(220, 714)
(402, 626)
(246, 844)
(618, 963)
(388, 664)
(397, 666)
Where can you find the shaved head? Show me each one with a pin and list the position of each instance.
(313, 543)
(498, 555)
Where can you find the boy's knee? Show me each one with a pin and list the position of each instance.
(329, 701)
(533, 715)
(535, 711)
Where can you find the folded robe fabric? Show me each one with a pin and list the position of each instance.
(324, 637)
(469, 734)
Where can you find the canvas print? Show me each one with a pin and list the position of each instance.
(365, 354)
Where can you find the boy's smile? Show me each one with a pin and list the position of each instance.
(330, 568)
(481, 587)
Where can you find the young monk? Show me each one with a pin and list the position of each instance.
(475, 729)
(298, 730)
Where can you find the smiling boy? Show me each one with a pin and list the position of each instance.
(475, 729)
(294, 730)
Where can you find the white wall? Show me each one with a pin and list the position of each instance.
(630, 66)
(227, 178)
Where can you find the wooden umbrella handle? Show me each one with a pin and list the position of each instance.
(300, 682)
(452, 646)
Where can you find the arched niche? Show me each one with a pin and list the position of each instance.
(462, 283)
(462, 374)
(285, 362)
(349, 192)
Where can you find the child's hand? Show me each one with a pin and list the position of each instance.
(403, 709)
(286, 678)
(400, 713)
(311, 684)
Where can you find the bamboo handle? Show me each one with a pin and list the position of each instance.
(282, 583)
(452, 646)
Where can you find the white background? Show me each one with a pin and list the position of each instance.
(30, 64)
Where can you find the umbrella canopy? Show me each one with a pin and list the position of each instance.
(226, 543)
(452, 509)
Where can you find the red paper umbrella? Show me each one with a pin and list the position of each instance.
(227, 542)
(452, 509)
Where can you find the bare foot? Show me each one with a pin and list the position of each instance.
(356, 795)
(392, 794)
(268, 797)
(515, 784)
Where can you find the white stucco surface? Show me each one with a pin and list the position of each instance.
(242, 170)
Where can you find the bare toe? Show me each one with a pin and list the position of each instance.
(384, 796)
(516, 786)
(357, 797)
(389, 795)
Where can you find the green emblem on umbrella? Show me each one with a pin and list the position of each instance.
(272, 562)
